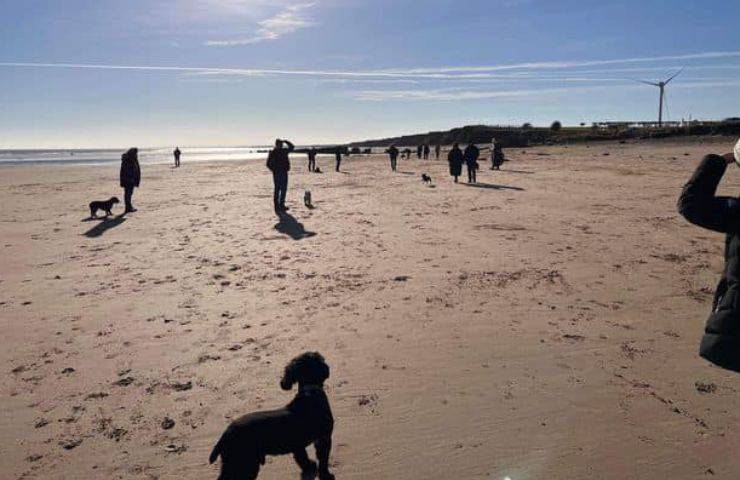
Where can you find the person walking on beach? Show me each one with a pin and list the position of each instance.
(337, 160)
(497, 156)
(437, 150)
(455, 159)
(426, 151)
(279, 164)
(311, 159)
(419, 151)
(130, 176)
(699, 204)
(471, 160)
(177, 154)
(393, 154)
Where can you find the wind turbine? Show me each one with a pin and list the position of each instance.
(661, 86)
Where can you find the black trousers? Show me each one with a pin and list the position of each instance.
(471, 172)
(128, 192)
(311, 164)
(339, 162)
(393, 163)
(280, 180)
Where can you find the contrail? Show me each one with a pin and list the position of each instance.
(460, 72)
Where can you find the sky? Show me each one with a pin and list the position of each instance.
(114, 73)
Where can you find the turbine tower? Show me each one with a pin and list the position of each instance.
(661, 86)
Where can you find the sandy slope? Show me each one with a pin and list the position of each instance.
(541, 325)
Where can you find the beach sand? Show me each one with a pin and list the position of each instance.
(542, 324)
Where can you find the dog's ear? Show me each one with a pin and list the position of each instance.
(289, 376)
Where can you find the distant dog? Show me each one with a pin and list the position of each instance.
(426, 178)
(317, 170)
(105, 206)
(305, 420)
(307, 199)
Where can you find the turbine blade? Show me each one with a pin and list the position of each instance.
(648, 83)
(674, 75)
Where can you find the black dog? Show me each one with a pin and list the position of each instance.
(105, 206)
(305, 420)
(426, 178)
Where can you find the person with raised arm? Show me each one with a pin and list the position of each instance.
(700, 205)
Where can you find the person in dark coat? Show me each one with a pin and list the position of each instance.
(419, 151)
(437, 150)
(455, 159)
(393, 155)
(177, 154)
(311, 159)
(426, 151)
(700, 206)
(337, 160)
(130, 176)
(279, 164)
(497, 156)
(471, 160)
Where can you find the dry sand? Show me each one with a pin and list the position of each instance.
(541, 325)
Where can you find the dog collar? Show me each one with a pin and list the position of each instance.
(310, 388)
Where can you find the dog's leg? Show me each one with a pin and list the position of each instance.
(242, 469)
(308, 466)
(323, 449)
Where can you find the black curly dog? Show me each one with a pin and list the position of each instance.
(305, 420)
(105, 206)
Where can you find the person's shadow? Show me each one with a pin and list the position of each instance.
(288, 225)
(492, 186)
(105, 224)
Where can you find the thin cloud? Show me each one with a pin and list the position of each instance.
(285, 22)
(567, 64)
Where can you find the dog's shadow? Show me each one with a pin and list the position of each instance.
(288, 225)
(106, 223)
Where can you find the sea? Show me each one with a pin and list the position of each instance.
(150, 156)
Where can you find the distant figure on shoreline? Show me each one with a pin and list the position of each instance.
(455, 159)
(419, 151)
(407, 151)
(337, 160)
(393, 154)
(279, 164)
(426, 151)
(700, 206)
(130, 176)
(497, 155)
(437, 150)
(471, 160)
(177, 154)
(312, 159)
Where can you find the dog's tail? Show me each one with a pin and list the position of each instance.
(216, 450)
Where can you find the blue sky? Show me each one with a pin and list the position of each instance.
(95, 73)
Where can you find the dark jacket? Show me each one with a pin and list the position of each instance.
(455, 159)
(392, 152)
(497, 155)
(277, 159)
(699, 205)
(130, 172)
(471, 154)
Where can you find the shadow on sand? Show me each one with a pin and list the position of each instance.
(288, 225)
(493, 186)
(406, 173)
(529, 172)
(106, 223)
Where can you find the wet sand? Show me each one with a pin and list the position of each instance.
(541, 324)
